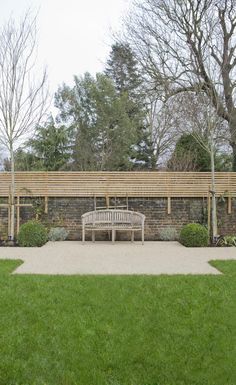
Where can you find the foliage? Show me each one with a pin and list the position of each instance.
(226, 241)
(49, 150)
(224, 162)
(194, 235)
(38, 208)
(50, 146)
(32, 234)
(102, 129)
(168, 234)
(189, 155)
(57, 234)
(67, 325)
(122, 68)
(25, 160)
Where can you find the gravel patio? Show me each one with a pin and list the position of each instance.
(154, 258)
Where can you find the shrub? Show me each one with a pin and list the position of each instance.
(32, 234)
(57, 234)
(194, 235)
(227, 241)
(168, 234)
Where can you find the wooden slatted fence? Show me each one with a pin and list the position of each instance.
(118, 184)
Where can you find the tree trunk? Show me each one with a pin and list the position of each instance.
(11, 236)
(213, 192)
(232, 128)
(233, 145)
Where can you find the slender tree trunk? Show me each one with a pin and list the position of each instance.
(233, 145)
(12, 195)
(213, 192)
(232, 127)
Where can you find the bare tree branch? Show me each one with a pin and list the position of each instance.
(23, 100)
(188, 44)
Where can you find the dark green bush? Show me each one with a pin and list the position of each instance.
(32, 234)
(194, 235)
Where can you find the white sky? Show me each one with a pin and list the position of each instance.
(74, 35)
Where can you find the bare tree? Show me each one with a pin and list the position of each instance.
(203, 123)
(184, 163)
(162, 130)
(188, 45)
(212, 122)
(1, 157)
(22, 99)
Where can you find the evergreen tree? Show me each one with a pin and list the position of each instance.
(51, 146)
(123, 69)
(49, 150)
(103, 131)
(24, 161)
(77, 111)
(189, 155)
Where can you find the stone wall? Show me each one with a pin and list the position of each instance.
(67, 212)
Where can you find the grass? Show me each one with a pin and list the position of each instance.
(103, 330)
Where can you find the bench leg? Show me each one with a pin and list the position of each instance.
(143, 236)
(83, 235)
(132, 236)
(93, 236)
(113, 235)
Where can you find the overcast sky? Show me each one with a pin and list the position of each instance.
(74, 35)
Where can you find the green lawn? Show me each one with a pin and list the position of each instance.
(118, 330)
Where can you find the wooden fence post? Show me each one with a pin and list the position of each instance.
(169, 205)
(46, 205)
(229, 204)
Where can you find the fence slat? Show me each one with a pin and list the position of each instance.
(117, 184)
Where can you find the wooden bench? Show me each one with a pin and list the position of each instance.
(114, 220)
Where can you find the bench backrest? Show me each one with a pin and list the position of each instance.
(113, 216)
